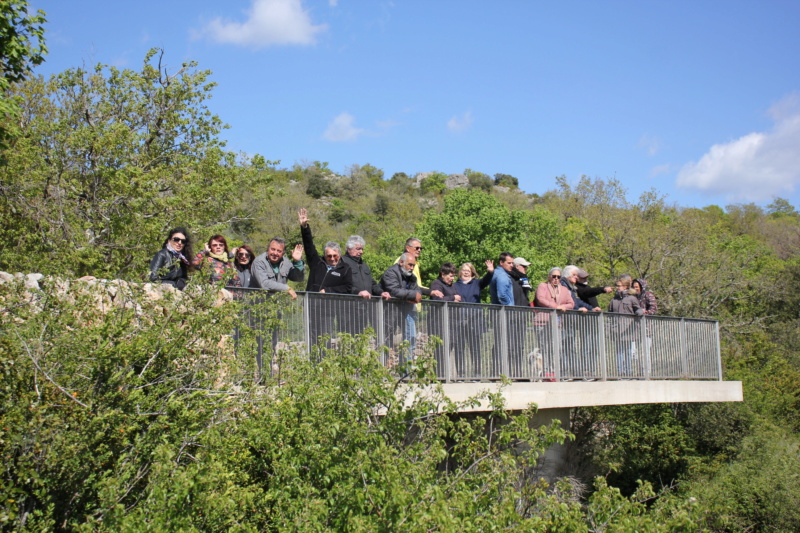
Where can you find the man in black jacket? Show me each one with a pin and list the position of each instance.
(326, 276)
(589, 294)
(361, 314)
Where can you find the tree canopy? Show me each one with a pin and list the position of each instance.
(108, 161)
(22, 47)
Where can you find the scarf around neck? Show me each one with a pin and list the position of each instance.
(177, 254)
(219, 257)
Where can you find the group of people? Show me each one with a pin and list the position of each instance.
(336, 273)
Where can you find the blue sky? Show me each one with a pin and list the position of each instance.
(700, 100)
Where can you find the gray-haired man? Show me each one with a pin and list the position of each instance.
(361, 314)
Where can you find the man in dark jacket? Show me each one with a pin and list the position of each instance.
(326, 276)
(589, 294)
(575, 364)
(361, 314)
(401, 283)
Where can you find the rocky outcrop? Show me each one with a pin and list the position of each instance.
(105, 294)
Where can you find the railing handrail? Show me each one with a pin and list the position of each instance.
(356, 297)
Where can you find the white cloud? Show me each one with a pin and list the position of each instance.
(342, 129)
(333, 3)
(650, 144)
(269, 22)
(460, 123)
(754, 167)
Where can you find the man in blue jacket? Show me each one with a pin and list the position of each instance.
(504, 290)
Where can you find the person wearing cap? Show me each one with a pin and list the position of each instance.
(521, 277)
(589, 294)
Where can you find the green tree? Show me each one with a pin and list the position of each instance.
(109, 160)
(22, 47)
(474, 226)
(506, 180)
(479, 180)
(369, 174)
(434, 183)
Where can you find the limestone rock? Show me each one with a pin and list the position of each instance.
(456, 181)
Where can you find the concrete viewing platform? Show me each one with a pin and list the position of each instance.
(519, 395)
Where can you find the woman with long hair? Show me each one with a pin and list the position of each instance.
(171, 265)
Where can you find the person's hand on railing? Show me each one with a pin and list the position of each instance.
(302, 216)
(365, 294)
(322, 291)
(385, 295)
(457, 298)
(417, 298)
(297, 253)
(438, 294)
(583, 310)
(596, 309)
(292, 293)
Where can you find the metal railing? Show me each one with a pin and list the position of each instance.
(476, 342)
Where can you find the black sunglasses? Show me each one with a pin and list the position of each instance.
(178, 239)
(555, 277)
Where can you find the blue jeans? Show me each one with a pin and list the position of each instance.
(411, 331)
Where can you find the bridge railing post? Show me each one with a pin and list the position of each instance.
(684, 350)
(446, 340)
(555, 334)
(603, 355)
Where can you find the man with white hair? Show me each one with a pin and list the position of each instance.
(364, 284)
(328, 275)
(573, 363)
(570, 273)
(359, 314)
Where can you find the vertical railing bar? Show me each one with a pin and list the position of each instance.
(446, 340)
(684, 349)
(555, 334)
(307, 323)
(380, 334)
(645, 351)
(603, 366)
(503, 341)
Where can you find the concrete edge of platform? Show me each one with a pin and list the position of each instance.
(519, 395)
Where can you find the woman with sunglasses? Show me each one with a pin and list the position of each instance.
(171, 265)
(553, 295)
(216, 258)
(242, 261)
